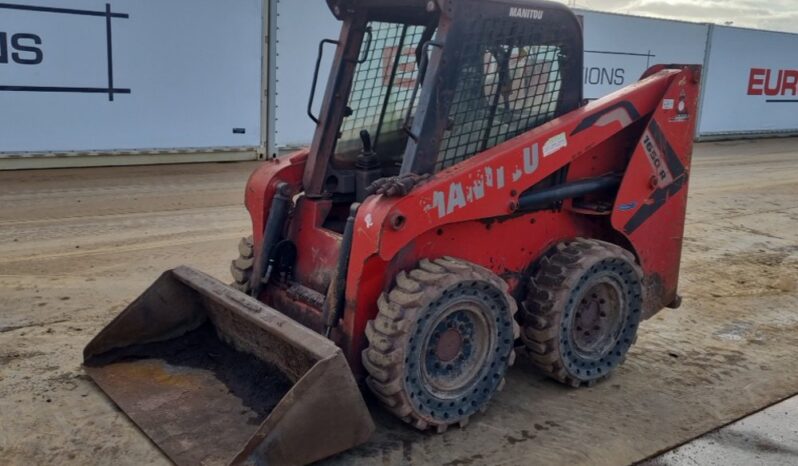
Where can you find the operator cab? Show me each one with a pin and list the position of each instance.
(418, 86)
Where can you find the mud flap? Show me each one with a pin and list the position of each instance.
(213, 376)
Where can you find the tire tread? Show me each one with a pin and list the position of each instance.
(557, 275)
(398, 311)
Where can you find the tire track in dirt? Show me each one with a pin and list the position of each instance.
(714, 360)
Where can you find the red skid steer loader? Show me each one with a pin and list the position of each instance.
(459, 201)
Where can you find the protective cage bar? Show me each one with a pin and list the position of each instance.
(383, 85)
(509, 81)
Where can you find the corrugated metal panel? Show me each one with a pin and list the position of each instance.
(87, 81)
(40, 160)
(751, 84)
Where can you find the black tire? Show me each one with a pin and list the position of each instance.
(441, 343)
(241, 268)
(582, 311)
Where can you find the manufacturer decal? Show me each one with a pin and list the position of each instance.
(369, 221)
(662, 194)
(554, 144)
(656, 159)
(526, 13)
(459, 195)
(667, 104)
(628, 206)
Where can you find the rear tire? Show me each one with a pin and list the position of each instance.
(582, 311)
(241, 268)
(441, 343)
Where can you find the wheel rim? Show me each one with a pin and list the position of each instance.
(599, 318)
(457, 348)
(447, 395)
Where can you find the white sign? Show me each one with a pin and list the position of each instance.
(102, 75)
(751, 83)
(620, 48)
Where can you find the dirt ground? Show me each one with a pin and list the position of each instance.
(769, 437)
(77, 245)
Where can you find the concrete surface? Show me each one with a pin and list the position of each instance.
(768, 437)
(77, 245)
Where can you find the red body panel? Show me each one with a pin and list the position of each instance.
(652, 199)
(262, 184)
(470, 210)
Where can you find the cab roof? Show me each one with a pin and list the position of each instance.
(418, 11)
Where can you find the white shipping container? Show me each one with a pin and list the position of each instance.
(620, 48)
(296, 51)
(150, 81)
(750, 84)
(130, 75)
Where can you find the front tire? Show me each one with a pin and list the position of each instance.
(582, 311)
(441, 343)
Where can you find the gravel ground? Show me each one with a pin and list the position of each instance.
(77, 245)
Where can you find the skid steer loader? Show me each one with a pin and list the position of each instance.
(459, 199)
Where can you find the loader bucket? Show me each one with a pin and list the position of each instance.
(213, 376)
